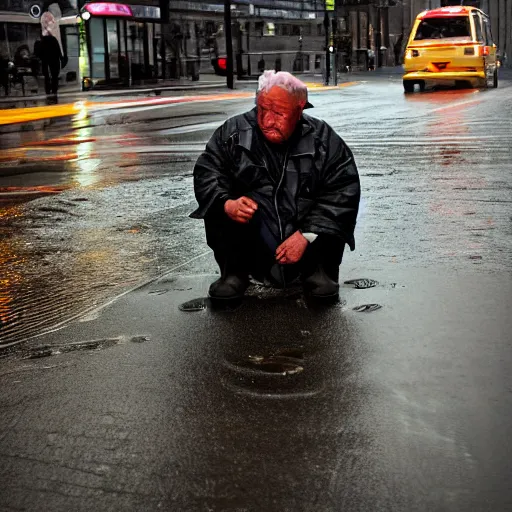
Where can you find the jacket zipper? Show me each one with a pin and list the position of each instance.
(277, 210)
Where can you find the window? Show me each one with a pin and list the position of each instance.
(478, 27)
(441, 28)
(295, 30)
(320, 30)
(285, 30)
(210, 28)
(270, 29)
(258, 28)
(97, 32)
(487, 32)
(306, 30)
(318, 61)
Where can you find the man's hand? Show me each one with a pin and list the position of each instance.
(292, 249)
(241, 209)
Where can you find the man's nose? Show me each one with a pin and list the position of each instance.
(268, 120)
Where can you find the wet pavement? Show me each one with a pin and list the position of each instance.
(397, 398)
(275, 406)
(114, 190)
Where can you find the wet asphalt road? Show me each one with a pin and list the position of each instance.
(276, 406)
(116, 187)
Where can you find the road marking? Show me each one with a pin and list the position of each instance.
(23, 115)
(81, 107)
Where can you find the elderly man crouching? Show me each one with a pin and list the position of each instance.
(279, 194)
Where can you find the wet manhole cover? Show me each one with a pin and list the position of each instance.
(367, 308)
(362, 283)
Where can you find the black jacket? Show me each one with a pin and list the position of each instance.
(48, 50)
(316, 190)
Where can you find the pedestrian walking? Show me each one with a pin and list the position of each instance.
(49, 52)
(279, 194)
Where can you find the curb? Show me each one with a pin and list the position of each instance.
(121, 92)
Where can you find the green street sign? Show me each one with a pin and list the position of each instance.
(329, 5)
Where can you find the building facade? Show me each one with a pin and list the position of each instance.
(285, 34)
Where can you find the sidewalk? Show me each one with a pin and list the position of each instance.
(273, 407)
(75, 94)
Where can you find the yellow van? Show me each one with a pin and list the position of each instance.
(450, 44)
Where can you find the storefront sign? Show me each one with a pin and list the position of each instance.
(108, 9)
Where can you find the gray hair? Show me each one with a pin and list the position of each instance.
(285, 80)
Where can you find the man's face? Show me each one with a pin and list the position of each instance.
(278, 114)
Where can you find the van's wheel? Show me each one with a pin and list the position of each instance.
(495, 79)
(408, 86)
(421, 83)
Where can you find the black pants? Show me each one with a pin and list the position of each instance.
(241, 249)
(51, 77)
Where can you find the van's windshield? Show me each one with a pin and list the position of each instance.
(442, 28)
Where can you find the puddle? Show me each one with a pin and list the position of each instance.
(205, 303)
(194, 305)
(367, 308)
(46, 351)
(277, 373)
(286, 361)
(270, 394)
(274, 365)
(158, 292)
(139, 339)
(362, 283)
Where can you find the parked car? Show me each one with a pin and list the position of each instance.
(451, 44)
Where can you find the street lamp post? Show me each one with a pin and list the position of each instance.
(229, 44)
(164, 21)
(327, 52)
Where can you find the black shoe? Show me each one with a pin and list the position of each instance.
(230, 287)
(320, 286)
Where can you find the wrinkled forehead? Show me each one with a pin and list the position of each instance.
(278, 99)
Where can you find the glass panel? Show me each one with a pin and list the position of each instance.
(72, 52)
(488, 33)
(478, 28)
(150, 44)
(442, 28)
(98, 48)
(123, 58)
(113, 48)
